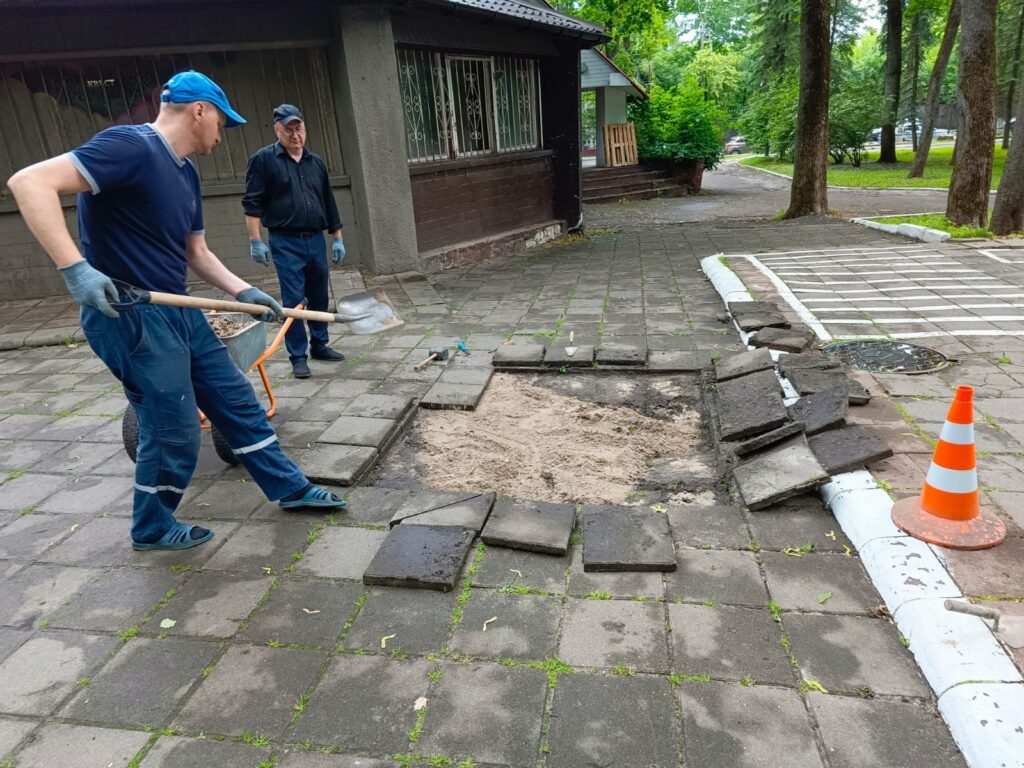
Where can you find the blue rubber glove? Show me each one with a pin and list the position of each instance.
(256, 296)
(90, 287)
(259, 251)
(338, 251)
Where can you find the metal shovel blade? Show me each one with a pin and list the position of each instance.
(368, 312)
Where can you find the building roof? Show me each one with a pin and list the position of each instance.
(598, 71)
(534, 13)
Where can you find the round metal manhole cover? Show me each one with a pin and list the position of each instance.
(886, 356)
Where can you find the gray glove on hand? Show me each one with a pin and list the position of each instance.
(90, 287)
(338, 251)
(256, 296)
(259, 251)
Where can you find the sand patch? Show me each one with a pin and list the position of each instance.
(530, 442)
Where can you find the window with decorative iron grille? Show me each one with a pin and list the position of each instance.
(464, 106)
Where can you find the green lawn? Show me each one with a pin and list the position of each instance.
(871, 174)
(937, 221)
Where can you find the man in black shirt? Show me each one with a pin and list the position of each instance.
(287, 189)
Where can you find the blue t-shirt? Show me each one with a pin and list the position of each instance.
(144, 204)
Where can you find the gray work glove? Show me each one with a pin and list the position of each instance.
(259, 251)
(90, 287)
(338, 251)
(256, 296)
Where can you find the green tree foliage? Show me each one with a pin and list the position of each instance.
(678, 124)
(769, 120)
(716, 74)
(854, 107)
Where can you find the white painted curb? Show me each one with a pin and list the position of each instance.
(980, 691)
(913, 231)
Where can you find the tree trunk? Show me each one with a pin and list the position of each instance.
(1008, 214)
(967, 204)
(935, 90)
(1011, 89)
(809, 192)
(893, 67)
(915, 72)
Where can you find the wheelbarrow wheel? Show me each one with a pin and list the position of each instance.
(220, 445)
(130, 432)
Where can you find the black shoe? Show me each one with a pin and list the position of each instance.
(300, 369)
(326, 353)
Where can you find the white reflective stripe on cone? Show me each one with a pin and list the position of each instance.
(952, 480)
(957, 434)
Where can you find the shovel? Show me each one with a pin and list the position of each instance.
(571, 349)
(365, 313)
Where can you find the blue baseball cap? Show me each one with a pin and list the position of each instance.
(186, 87)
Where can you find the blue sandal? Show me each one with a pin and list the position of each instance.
(179, 537)
(315, 497)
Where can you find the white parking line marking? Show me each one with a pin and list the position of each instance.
(1000, 259)
(912, 320)
(931, 308)
(890, 272)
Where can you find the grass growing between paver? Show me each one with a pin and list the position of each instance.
(940, 222)
(937, 172)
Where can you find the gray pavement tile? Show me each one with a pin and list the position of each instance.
(768, 439)
(301, 759)
(89, 494)
(610, 720)
(626, 539)
(787, 469)
(271, 678)
(822, 410)
(783, 340)
(446, 395)
(849, 653)
(797, 522)
(523, 626)
(47, 668)
(729, 643)
(11, 732)
(226, 500)
(733, 366)
(517, 568)
(28, 490)
(750, 405)
(1012, 505)
(469, 510)
(91, 458)
(420, 556)
(606, 633)
(676, 361)
(694, 526)
(26, 536)
(555, 355)
(100, 541)
(336, 464)
(537, 526)
(641, 584)
(359, 430)
(116, 600)
(848, 448)
(192, 558)
(37, 590)
(70, 428)
(341, 552)
(992, 573)
(734, 726)
(899, 385)
(858, 733)
(300, 434)
(25, 455)
(418, 620)
(375, 506)
(16, 426)
(91, 747)
(364, 704)
(182, 752)
(212, 604)
(256, 546)
(616, 352)
(721, 576)
(310, 613)
(346, 389)
(143, 683)
(378, 406)
(802, 583)
(522, 352)
(10, 640)
(505, 704)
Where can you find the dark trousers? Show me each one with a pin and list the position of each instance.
(301, 265)
(170, 362)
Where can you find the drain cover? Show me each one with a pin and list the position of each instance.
(887, 356)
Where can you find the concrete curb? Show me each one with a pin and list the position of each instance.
(913, 231)
(979, 690)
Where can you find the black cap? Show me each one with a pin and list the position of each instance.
(287, 113)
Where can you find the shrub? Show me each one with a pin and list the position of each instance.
(677, 124)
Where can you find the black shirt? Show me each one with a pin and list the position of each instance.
(289, 196)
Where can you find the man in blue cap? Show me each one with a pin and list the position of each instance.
(141, 222)
(288, 190)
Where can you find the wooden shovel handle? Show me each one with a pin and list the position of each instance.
(222, 305)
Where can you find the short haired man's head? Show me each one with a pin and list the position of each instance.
(202, 105)
(290, 127)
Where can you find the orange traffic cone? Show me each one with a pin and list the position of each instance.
(947, 512)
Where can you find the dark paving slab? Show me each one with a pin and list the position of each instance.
(310, 613)
(728, 643)
(613, 353)
(605, 633)
(807, 381)
(364, 704)
(375, 506)
(182, 752)
(536, 526)
(37, 591)
(100, 541)
(509, 700)
(336, 464)
(469, 510)
(116, 600)
(694, 526)
(456, 397)
(45, 669)
(785, 470)
(750, 405)
(840, 450)
(274, 677)
(256, 546)
(677, 362)
(798, 521)
(720, 576)
(756, 321)
(805, 360)
(420, 556)
(213, 604)
(621, 584)
(143, 684)
(768, 439)
(859, 733)
(341, 553)
(555, 356)
(88, 494)
(418, 620)
(783, 340)
(741, 364)
(822, 410)
(797, 583)
(524, 626)
(609, 720)
(297, 758)
(848, 653)
(91, 747)
(626, 539)
(501, 567)
(518, 354)
(30, 489)
(378, 406)
(26, 536)
(358, 430)
(734, 726)
(227, 500)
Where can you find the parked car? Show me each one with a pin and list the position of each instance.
(737, 145)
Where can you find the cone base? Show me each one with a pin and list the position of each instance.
(983, 532)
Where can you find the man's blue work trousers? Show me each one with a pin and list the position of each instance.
(170, 362)
(301, 265)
